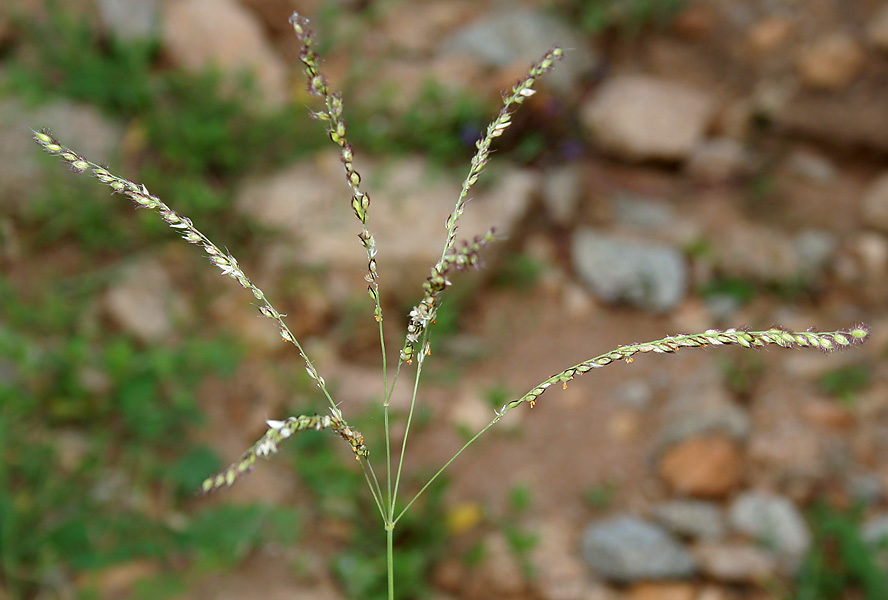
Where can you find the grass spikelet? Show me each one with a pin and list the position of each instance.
(331, 114)
(277, 432)
(423, 313)
(826, 341)
(225, 262)
(467, 254)
(518, 94)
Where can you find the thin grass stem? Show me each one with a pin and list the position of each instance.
(444, 467)
(223, 260)
(420, 359)
(364, 469)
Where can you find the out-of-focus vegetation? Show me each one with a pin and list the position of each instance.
(840, 562)
(96, 429)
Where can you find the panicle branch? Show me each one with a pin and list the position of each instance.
(824, 341)
(467, 254)
(519, 93)
(424, 312)
(277, 432)
(183, 225)
(336, 130)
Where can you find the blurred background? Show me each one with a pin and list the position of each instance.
(690, 164)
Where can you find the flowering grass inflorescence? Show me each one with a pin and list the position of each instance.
(455, 256)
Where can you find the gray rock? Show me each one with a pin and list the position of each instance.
(522, 36)
(875, 203)
(767, 254)
(78, 126)
(701, 405)
(561, 192)
(831, 62)
(691, 518)
(310, 204)
(877, 29)
(875, 530)
(648, 275)
(198, 34)
(559, 572)
(635, 394)
(629, 549)
(773, 521)
(643, 214)
(735, 562)
(130, 19)
(811, 166)
(815, 250)
(866, 488)
(144, 302)
(642, 118)
(718, 160)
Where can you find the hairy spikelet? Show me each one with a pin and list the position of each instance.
(423, 313)
(825, 341)
(467, 254)
(336, 131)
(278, 431)
(184, 226)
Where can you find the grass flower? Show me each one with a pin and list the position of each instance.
(454, 257)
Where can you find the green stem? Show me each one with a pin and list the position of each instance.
(447, 464)
(376, 498)
(375, 482)
(420, 360)
(388, 460)
(389, 559)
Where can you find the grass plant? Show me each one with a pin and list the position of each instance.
(384, 482)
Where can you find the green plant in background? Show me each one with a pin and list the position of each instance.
(384, 483)
(845, 382)
(628, 16)
(839, 561)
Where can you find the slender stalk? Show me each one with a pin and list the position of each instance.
(375, 481)
(826, 341)
(420, 359)
(388, 459)
(376, 499)
(390, 559)
(444, 466)
(186, 228)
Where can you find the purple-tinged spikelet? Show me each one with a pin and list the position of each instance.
(277, 432)
(825, 341)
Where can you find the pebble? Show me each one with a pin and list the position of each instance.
(875, 529)
(875, 203)
(701, 406)
(718, 160)
(309, 203)
(521, 36)
(198, 34)
(78, 126)
(733, 562)
(661, 591)
(771, 520)
(708, 466)
(832, 62)
(143, 302)
(562, 191)
(627, 549)
(642, 214)
(812, 166)
(644, 274)
(694, 519)
(636, 117)
(131, 20)
(877, 29)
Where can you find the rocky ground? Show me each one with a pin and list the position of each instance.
(723, 165)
